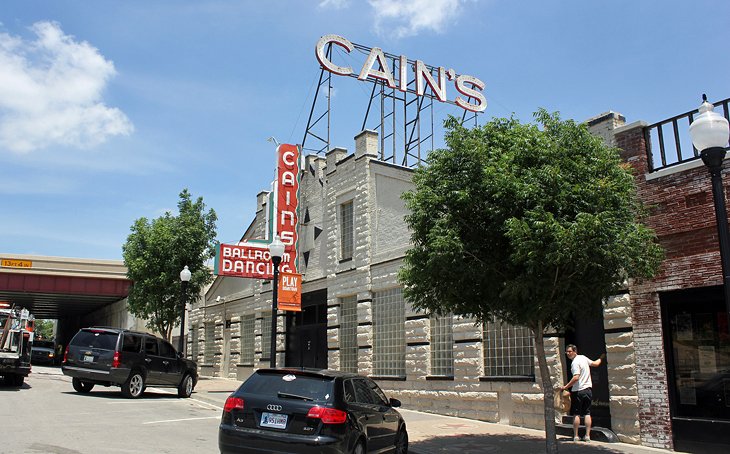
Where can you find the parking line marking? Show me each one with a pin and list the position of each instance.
(207, 403)
(179, 420)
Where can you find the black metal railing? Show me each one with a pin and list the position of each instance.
(671, 138)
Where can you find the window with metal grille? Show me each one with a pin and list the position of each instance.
(442, 346)
(248, 339)
(346, 231)
(508, 350)
(194, 349)
(266, 336)
(389, 337)
(209, 352)
(348, 334)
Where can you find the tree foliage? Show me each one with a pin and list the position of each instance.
(525, 223)
(44, 329)
(156, 252)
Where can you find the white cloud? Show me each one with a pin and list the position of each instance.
(334, 4)
(51, 92)
(402, 18)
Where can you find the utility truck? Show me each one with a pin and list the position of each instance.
(16, 338)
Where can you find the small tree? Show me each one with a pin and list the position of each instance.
(44, 329)
(524, 224)
(156, 252)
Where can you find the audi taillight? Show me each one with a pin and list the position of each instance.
(65, 354)
(117, 360)
(327, 415)
(233, 403)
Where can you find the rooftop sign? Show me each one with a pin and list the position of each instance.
(376, 67)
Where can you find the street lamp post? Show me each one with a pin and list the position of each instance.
(185, 275)
(276, 249)
(710, 132)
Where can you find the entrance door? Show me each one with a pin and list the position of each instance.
(589, 336)
(308, 345)
(306, 338)
(697, 349)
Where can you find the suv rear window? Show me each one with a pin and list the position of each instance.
(95, 339)
(319, 389)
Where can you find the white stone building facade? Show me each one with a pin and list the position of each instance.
(352, 241)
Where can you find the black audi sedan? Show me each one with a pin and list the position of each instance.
(311, 412)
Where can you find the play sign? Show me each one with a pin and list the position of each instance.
(290, 292)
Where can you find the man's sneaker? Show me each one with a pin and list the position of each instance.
(587, 439)
(576, 438)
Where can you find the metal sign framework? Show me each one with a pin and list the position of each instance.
(406, 120)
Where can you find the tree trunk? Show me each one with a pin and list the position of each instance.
(551, 441)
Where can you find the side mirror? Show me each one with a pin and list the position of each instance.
(395, 403)
(180, 355)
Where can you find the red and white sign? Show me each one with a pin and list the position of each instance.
(252, 259)
(287, 202)
(376, 67)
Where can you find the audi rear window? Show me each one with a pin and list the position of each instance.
(95, 339)
(292, 386)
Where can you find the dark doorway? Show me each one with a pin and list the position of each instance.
(306, 338)
(590, 338)
(697, 349)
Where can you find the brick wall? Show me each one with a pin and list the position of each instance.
(681, 212)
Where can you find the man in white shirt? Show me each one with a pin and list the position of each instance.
(581, 393)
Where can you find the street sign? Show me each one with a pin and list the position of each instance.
(16, 263)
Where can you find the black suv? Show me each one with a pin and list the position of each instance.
(132, 360)
(311, 412)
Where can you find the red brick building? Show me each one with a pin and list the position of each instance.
(680, 322)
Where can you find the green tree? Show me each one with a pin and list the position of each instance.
(44, 329)
(156, 252)
(525, 224)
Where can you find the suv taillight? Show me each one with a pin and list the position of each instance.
(327, 415)
(233, 403)
(116, 361)
(65, 354)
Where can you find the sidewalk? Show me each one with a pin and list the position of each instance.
(436, 434)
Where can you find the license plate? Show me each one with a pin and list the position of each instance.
(88, 359)
(274, 420)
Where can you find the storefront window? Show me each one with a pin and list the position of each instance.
(700, 358)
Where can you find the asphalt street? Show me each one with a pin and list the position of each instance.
(47, 416)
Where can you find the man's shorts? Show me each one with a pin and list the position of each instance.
(580, 402)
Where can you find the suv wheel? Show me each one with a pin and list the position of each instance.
(401, 442)
(359, 448)
(185, 389)
(134, 386)
(80, 386)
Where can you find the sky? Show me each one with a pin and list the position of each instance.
(109, 109)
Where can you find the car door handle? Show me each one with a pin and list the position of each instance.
(147, 360)
(165, 362)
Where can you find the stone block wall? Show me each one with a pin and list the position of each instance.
(621, 360)
(381, 240)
